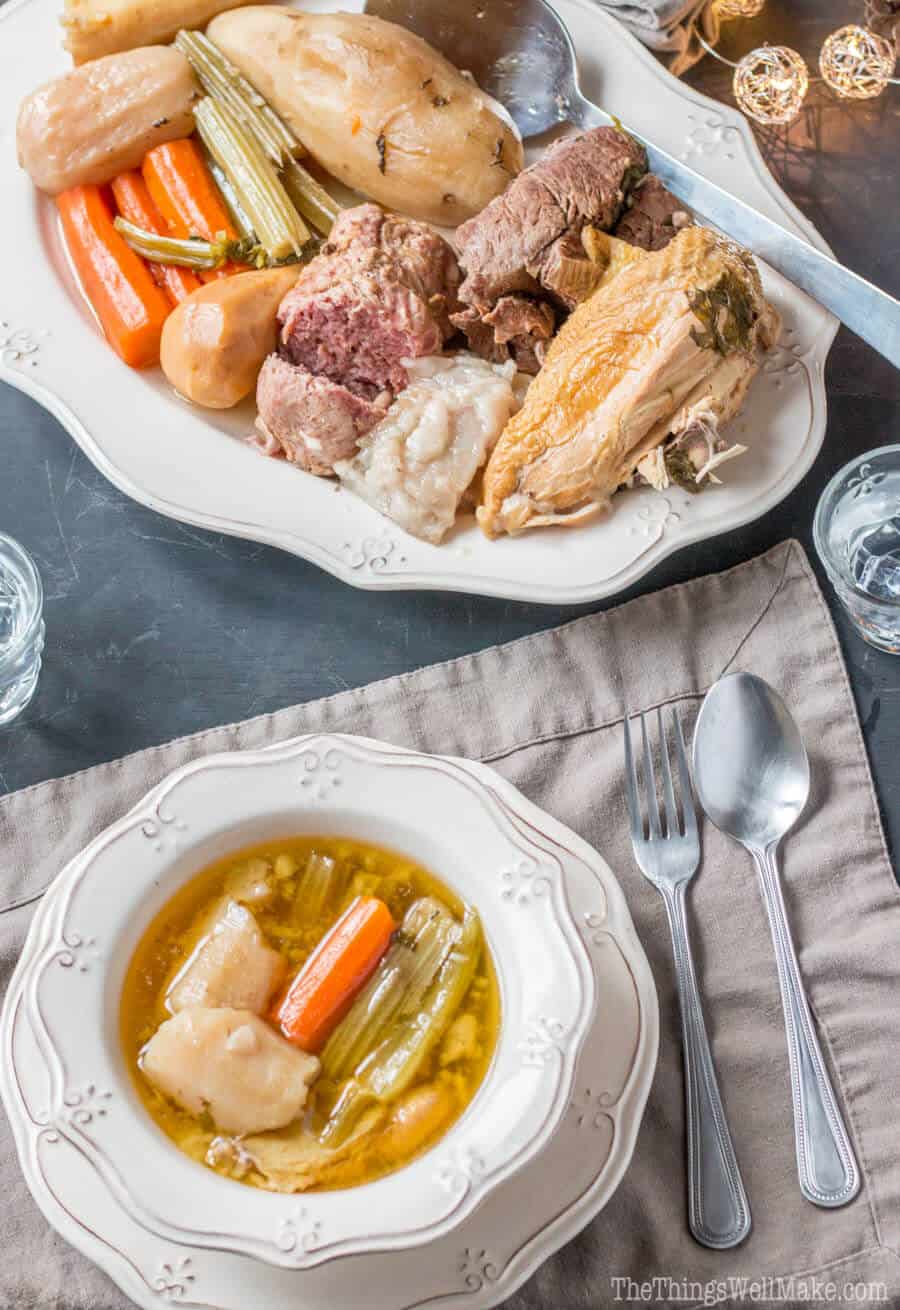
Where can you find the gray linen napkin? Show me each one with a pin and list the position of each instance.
(668, 26)
(546, 711)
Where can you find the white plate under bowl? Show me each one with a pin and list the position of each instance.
(192, 465)
(462, 1224)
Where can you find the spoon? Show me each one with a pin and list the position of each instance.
(521, 53)
(751, 773)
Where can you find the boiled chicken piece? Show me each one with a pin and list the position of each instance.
(231, 1064)
(697, 447)
(619, 374)
(232, 967)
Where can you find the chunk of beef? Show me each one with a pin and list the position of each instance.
(653, 216)
(310, 420)
(581, 179)
(521, 328)
(358, 332)
(368, 240)
(380, 291)
(517, 316)
(527, 240)
(568, 274)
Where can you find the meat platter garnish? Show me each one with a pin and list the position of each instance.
(475, 336)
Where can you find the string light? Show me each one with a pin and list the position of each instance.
(770, 84)
(856, 63)
(727, 9)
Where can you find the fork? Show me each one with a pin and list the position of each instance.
(668, 856)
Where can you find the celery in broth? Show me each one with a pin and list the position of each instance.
(396, 988)
(392, 1066)
(321, 882)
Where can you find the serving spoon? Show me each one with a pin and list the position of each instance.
(520, 52)
(751, 774)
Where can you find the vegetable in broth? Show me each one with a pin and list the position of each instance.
(344, 999)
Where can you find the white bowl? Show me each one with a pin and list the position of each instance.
(432, 809)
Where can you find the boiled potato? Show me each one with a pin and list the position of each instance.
(377, 107)
(100, 120)
(214, 343)
(103, 27)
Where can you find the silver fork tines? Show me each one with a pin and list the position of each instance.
(667, 850)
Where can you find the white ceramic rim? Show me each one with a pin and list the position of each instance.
(367, 551)
(546, 983)
(142, 1265)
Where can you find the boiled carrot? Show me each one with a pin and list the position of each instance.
(344, 960)
(185, 193)
(135, 204)
(130, 306)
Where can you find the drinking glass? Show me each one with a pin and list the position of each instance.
(21, 628)
(857, 535)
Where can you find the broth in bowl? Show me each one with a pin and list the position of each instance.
(310, 1014)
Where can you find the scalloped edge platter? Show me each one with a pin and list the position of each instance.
(193, 466)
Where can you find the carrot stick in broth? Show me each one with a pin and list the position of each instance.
(338, 968)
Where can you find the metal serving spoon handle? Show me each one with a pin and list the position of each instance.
(825, 1162)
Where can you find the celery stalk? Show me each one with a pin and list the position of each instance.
(394, 1064)
(309, 196)
(259, 189)
(190, 253)
(219, 77)
(235, 208)
(391, 1068)
(320, 884)
(396, 989)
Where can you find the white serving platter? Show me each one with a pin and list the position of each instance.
(193, 465)
(168, 1231)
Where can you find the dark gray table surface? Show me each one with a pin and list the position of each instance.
(155, 630)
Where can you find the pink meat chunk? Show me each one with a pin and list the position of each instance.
(368, 240)
(380, 291)
(358, 332)
(312, 421)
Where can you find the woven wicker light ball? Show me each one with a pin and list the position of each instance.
(738, 8)
(857, 64)
(770, 84)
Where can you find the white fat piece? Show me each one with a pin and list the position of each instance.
(232, 1064)
(417, 463)
(231, 966)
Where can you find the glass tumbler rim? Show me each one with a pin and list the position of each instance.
(831, 562)
(35, 598)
